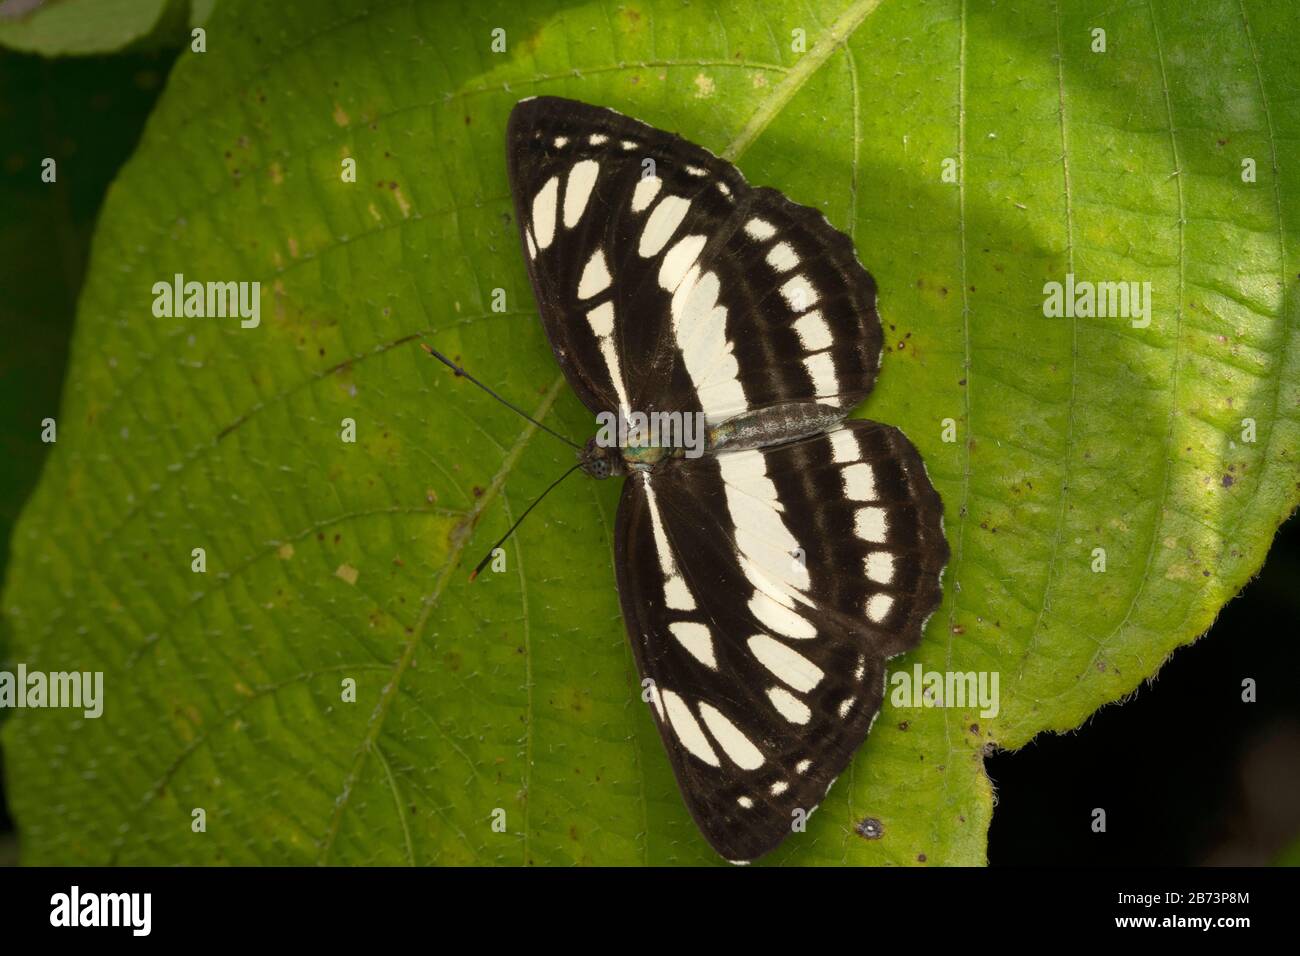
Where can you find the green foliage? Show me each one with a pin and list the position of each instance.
(80, 27)
(85, 114)
(328, 560)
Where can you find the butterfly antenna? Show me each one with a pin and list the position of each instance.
(488, 557)
(460, 372)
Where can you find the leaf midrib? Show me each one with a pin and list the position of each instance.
(807, 65)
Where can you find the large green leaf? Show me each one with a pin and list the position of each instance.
(329, 560)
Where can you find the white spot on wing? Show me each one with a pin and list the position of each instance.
(646, 189)
(870, 525)
(844, 446)
(880, 567)
(760, 229)
(814, 333)
(679, 259)
(785, 592)
(610, 353)
(663, 221)
(799, 293)
(676, 594)
(789, 706)
(577, 190)
(878, 606)
(597, 139)
(731, 739)
(688, 730)
(696, 639)
(764, 541)
(595, 278)
(601, 319)
(781, 257)
(780, 618)
(788, 666)
(821, 368)
(859, 482)
(544, 212)
(700, 327)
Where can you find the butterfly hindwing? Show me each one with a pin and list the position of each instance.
(764, 590)
(666, 282)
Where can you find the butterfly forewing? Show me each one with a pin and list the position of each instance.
(764, 591)
(597, 196)
(666, 282)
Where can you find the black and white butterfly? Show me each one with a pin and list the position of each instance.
(765, 583)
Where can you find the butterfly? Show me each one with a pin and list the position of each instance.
(768, 571)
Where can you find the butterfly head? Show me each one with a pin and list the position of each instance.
(600, 461)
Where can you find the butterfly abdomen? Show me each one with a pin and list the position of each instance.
(772, 425)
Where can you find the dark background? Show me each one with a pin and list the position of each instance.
(1186, 772)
